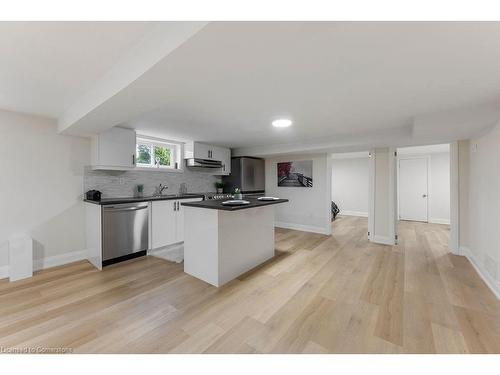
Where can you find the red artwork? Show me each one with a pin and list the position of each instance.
(284, 169)
(296, 173)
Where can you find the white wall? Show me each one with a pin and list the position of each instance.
(480, 213)
(350, 185)
(439, 186)
(309, 208)
(463, 189)
(41, 188)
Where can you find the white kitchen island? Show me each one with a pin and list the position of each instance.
(221, 242)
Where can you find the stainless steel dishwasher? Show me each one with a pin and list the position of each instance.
(125, 231)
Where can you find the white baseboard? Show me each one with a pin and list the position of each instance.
(303, 228)
(493, 284)
(439, 221)
(354, 213)
(464, 251)
(172, 253)
(384, 240)
(48, 262)
(59, 260)
(4, 272)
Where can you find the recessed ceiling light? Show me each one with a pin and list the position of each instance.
(282, 123)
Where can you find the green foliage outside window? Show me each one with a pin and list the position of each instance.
(143, 154)
(162, 155)
(152, 155)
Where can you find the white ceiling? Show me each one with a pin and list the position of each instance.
(346, 85)
(229, 81)
(45, 66)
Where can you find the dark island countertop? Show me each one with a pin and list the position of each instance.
(216, 204)
(105, 201)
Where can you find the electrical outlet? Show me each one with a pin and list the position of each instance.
(474, 147)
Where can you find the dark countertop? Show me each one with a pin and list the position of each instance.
(105, 201)
(217, 204)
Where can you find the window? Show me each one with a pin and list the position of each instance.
(154, 153)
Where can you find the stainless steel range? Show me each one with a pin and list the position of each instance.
(225, 196)
(218, 196)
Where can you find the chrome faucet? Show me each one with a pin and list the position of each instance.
(159, 190)
(183, 188)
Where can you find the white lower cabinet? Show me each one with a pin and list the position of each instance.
(179, 228)
(167, 222)
(163, 223)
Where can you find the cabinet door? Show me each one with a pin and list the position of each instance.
(116, 148)
(217, 153)
(224, 155)
(180, 219)
(226, 161)
(163, 223)
(202, 151)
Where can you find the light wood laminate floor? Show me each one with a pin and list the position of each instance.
(320, 294)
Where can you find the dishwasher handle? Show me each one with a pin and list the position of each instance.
(134, 208)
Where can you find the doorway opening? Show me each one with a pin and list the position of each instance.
(423, 192)
(423, 184)
(350, 187)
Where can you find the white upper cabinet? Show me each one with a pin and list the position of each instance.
(226, 162)
(199, 150)
(114, 149)
(218, 153)
(224, 155)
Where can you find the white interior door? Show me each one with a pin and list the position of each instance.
(413, 189)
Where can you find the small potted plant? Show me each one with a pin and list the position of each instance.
(237, 193)
(219, 185)
(140, 190)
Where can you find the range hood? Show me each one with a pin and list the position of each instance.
(203, 163)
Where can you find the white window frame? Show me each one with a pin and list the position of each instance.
(175, 153)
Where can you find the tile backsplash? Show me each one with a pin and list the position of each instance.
(124, 183)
